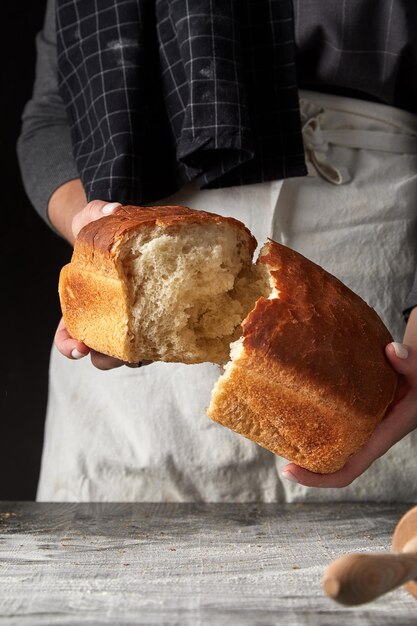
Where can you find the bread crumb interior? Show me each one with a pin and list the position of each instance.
(190, 287)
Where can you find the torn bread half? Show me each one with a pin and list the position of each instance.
(163, 283)
(309, 379)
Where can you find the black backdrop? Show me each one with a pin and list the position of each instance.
(31, 256)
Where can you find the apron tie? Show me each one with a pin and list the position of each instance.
(317, 141)
(316, 146)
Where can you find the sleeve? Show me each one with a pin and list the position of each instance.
(44, 146)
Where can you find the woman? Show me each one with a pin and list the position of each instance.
(164, 103)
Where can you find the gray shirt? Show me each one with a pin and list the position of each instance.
(44, 146)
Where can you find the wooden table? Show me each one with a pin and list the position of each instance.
(188, 564)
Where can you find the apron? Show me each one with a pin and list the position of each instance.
(142, 434)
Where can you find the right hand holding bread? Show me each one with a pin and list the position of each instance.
(399, 421)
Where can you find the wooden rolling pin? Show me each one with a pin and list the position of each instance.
(359, 578)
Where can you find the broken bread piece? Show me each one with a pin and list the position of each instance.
(309, 379)
(163, 283)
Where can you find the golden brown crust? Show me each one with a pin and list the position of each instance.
(99, 242)
(101, 320)
(312, 382)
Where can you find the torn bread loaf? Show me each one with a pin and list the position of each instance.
(308, 380)
(160, 283)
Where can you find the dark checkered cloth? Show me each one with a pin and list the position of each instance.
(359, 48)
(159, 92)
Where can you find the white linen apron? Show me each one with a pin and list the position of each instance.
(142, 434)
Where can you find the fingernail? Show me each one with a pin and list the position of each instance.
(400, 350)
(109, 208)
(288, 476)
(76, 354)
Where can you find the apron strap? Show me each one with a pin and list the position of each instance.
(317, 141)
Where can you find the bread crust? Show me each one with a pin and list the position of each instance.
(98, 244)
(93, 286)
(312, 381)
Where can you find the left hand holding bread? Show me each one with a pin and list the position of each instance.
(69, 347)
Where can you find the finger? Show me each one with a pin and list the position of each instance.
(104, 362)
(400, 421)
(295, 473)
(69, 347)
(94, 210)
(404, 360)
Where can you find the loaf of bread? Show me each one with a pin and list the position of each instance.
(308, 379)
(160, 283)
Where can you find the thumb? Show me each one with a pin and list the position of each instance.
(404, 360)
(94, 210)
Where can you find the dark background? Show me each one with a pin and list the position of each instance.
(31, 259)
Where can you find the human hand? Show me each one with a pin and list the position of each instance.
(399, 420)
(94, 210)
(69, 347)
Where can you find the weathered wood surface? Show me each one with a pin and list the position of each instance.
(192, 564)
